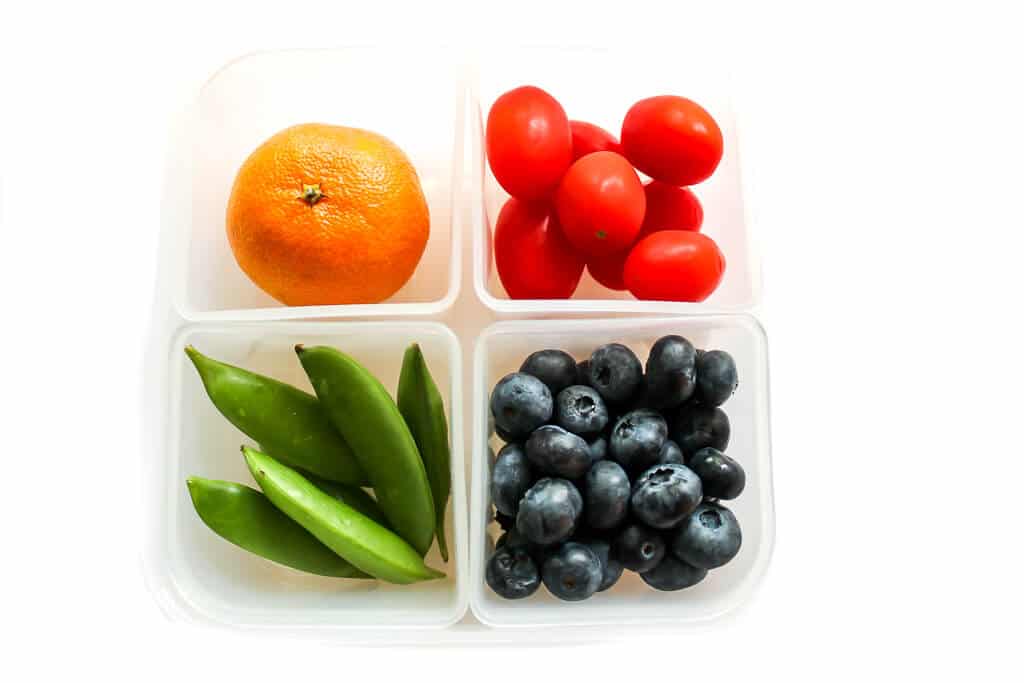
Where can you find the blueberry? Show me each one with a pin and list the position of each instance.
(672, 574)
(638, 548)
(555, 368)
(510, 478)
(606, 490)
(520, 403)
(554, 451)
(716, 377)
(671, 375)
(615, 372)
(512, 539)
(512, 573)
(721, 476)
(611, 568)
(695, 427)
(664, 495)
(637, 438)
(503, 435)
(549, 512)
(671, 454)
(598, 450)
(573, 573)
(709, 538)
(583, 373)
(580, 410)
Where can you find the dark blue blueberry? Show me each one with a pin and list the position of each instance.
(549, 512)
(606, 490)
(671, 454)
(709, 538)
(664, 495)
(611, 568)
(583, 373)
(615, 372)
(638, 548)
(554, 451)
(573, 573)
(721, 476)
(695, 427)
(671, 374)
(716, 377)
(580, 410)
(672, 574)
(520, 403)
(598, 450)
(512, 573)
(503, 435)
(504, 521)
(637, 438)
(511, 477)
(512, 539)
(555, 368)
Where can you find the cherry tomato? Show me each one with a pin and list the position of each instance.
(674, 265)
(534, 259)
(588, 138)
(670, 208)
(600, 204)
(607, 270)
(529, 144)
(672, 139)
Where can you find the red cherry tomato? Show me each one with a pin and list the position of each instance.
(670, 208)
(588, 138)
(600, 204)
(534, 259)
(529, 144)
(674, 265)
(607, 270)
(672, 139)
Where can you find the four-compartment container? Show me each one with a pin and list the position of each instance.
(431, 103)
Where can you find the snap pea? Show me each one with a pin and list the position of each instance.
(288, 423)
(363, 411)
(351, 534)
(420, 403)
(353, 496)
(248, 519)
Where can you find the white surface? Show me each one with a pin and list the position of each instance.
(885, 143)
(501, 349)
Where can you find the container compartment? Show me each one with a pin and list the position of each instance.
(502, 348)
(414, 99)
(599, 86)
(227, 585)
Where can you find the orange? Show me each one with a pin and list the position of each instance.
(323, 214)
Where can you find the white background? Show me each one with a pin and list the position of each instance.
(886, 147)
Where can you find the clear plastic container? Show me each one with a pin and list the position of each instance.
(599, 86)
(210, 578)
(397, 95)
(501, 349)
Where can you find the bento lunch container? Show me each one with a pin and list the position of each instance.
(432, 104)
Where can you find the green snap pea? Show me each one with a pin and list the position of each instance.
(420, 403)
(367, 417)
(351, 534)
(353, 496)
(248, 519)
(286, 422)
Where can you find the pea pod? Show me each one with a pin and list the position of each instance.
(420, 403)
(351, 534)
(248, 519)
(353, 496)
(363, 411)
(286, 422)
